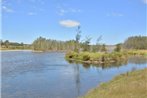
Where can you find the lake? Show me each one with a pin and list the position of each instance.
(48, 75)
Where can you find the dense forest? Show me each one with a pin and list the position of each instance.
(43, 44)
(136, 42)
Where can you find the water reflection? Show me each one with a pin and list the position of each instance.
(49, 75)
(123, 65)
(138, 60)
(77, 79)
(132, 59)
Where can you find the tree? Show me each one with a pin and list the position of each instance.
(21, 44)
(98, 46)
(43, 44)
(118, 48)
(40, 44)
(103, 49)
(86, 46)
(1, 42)
(136, 42)
(6, 43)
(78, 36)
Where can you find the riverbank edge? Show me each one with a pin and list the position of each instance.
(15, 50)
(90, 62)
(11, 50)
(102, 58)
(128, 85)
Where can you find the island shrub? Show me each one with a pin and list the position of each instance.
(95, 56)
(71, 55)
(86, 57)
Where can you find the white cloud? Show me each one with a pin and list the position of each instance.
(145, 1)
(6, 9)
(39, 1)
(69, 23)
(74, 10)
(62, 11)
(115, 14)
(32, 13)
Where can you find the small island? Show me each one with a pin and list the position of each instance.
(103, 58)
(100, 53)
(73, 49)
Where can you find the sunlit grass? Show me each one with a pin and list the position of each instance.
(101, 57)
(129, 85)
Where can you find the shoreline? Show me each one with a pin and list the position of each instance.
(91, 62)
(29, 50)
(13, 50)
(102, 58)
(129, 80)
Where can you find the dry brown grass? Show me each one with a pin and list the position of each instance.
(129, 85)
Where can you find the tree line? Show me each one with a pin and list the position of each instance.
(136, 42)
(13, 45)
(76, 44)
(43, 44)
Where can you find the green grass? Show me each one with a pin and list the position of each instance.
(101, 57)
(138, 52)
(129, 85)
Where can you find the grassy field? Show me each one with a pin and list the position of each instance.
(129, 85)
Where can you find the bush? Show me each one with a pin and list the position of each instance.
(95, 56)
(71, 55)
(86, 57)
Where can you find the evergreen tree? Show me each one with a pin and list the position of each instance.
(78, 36)
(118, 48)
(103, 49)
(136, 42)
(86, 46)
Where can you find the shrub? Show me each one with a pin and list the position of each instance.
(86, 57)
(71, 55)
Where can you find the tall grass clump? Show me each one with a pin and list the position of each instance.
(71, 55)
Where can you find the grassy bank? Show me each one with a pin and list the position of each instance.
(129, 85)
(137, 52)
(3, 49)
(100, 57)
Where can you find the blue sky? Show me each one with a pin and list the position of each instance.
(115, 20)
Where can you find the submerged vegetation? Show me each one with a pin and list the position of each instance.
(129, 85)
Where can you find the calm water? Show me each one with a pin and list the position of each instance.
(48, 75)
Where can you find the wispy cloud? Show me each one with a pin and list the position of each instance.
(115, 14)
(38, 1)
(75, 10)
(69, 23)
(62, 11)
(32, 13)
(145, 1)
(8, 10)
